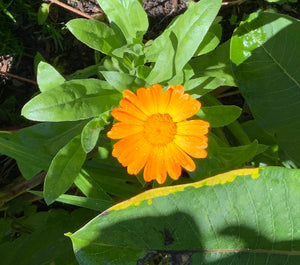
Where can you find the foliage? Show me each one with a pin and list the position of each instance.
(244, 216)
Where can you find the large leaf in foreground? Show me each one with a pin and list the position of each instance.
(265, 49)
(247, 216)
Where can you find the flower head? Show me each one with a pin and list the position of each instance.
(155, 134)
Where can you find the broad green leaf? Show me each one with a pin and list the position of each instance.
(48, 77)
(89, 203)
(179, 42)
(95, 34)
(64, 168)
(265, 52)
(90, 132)
(219, 116)
(44, 241)
(127, 16)
(34, 147)
(243, 216)
(73, 100)
(215, 66)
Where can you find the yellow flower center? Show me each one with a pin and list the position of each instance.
(159, 129)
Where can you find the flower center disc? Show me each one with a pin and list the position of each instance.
(159, 129)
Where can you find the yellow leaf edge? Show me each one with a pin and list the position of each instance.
(222, 178)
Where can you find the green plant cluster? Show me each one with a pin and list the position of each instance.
(247, 216)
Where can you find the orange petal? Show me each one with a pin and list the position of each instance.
(123, 116)
(142, 152)
(180, 157)
(125, 143)
(192, 145)
(192, 127)
(181, 105)
(131, 108)
(129, 95)
(145, 97)
(155, 167)
(173, 168)
(121, 130)
(187, 109)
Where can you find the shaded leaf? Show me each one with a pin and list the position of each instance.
(268, 75)
(64, 168)
(233, 218)
(45, 243)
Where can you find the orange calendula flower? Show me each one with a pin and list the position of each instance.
(155, 134)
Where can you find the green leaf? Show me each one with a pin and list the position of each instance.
(64, 168)
(35, 161)
(243, 216)
(111, 177)
(265, 51)
(89, 203)
(215, 66)
(73, 100)
(179, 42)
(45, 139)
(48, 77)
(222, 158)
(44, 241)
(95, 34)
(219, 116)
(90, 132)
(127, 16)
(121, 81)
(210, 41)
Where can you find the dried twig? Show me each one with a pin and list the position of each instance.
(74, 10)
(18, 77)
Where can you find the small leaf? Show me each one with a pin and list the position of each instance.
(90, 132)
(127, 16)
(94, 34)
(219, 116)
(64, 168)
(48, 77)
(43, 13)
